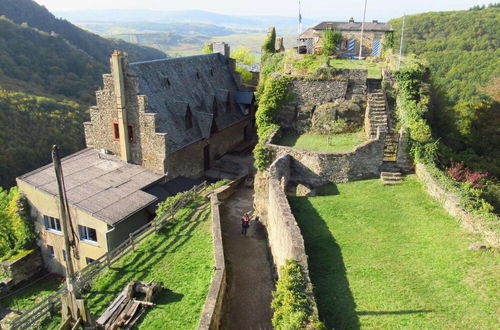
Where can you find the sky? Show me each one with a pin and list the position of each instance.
(328, 9)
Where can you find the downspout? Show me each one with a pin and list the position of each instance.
(119, 85)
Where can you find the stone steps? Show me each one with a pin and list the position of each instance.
(391, 178)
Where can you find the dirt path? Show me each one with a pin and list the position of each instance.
(249, 271)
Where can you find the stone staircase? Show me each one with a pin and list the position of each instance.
(376, 103)
(390, 173)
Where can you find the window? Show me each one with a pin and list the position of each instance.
(344, 44)
(188, 118)
(229, 104)
(116, 131)
(198, 75)
(50, 250)
(212, 72)
(130, 133)
(87, 233)
(89, 260)
(166, 82)
(52, 224)
(64, 254)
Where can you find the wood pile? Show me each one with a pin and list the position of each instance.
(125, 310)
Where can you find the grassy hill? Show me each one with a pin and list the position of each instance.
(463, 52)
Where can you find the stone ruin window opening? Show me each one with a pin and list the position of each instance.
(166, 82)
(198, 75)
(116, 132)
(188, 118)
(229, 104)
(212, 72)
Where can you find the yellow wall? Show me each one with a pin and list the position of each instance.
(41, 204)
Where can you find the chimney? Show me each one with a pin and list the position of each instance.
(351, 20)
(117, 60)
(222, 48)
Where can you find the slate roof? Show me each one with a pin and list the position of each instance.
(102, 185)
(200, 82)
(354, 26)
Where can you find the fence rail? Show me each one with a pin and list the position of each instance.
(46, 307)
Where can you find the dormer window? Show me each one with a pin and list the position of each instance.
(188, 118)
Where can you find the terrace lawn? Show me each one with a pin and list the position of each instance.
(180, 258)
(28, 297)
(389, 257)
(338, 142)
(374, 69)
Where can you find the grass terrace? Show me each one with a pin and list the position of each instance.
(389, 257)
(29, 296)
(180, 258)
(374, 69)
(327, 143)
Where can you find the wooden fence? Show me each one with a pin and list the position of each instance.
(48, 306)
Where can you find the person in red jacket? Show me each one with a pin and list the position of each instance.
(245, 223)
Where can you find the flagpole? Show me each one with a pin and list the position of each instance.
(362, 30)
(402, 39)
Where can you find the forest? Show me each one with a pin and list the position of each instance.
(462, 50)
(49, 72)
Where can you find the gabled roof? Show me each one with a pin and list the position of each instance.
(101, 185)
(198, 81)
(353, 26)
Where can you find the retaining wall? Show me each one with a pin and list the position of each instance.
(315, 168)
(450, 203)
(21, 269)
(213, 309)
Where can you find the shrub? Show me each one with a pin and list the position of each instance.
(246, 75)
(269, 45)
(274, 94)
(207, 49)
(293, 306)
(330, 40)
(16, 227)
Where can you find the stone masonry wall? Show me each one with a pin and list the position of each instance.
(23, 268)
(313, 168)
(188, 161)
(450, 203)
(148, 148)
(308, 94)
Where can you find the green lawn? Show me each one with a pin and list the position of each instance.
(389, 257)
(180, 258)
(374, 69)
(337, 143)
(28, 297)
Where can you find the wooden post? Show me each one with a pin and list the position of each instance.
(131, 241)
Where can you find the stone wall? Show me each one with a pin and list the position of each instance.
(213, 311)
(148, 148)
(189, 161)
(22, 269)
(450, 203)
(285, 239)
(309, 95)
(314, 168)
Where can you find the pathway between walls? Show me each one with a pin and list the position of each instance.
(249, 274)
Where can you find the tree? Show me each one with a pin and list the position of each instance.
(269, 46)
(207, 49)
(330, 40)
(242, 54)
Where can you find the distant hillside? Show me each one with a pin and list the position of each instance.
(28, 11)
(45, 61)
(192, 16)
(463, 47)
(463, 50)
